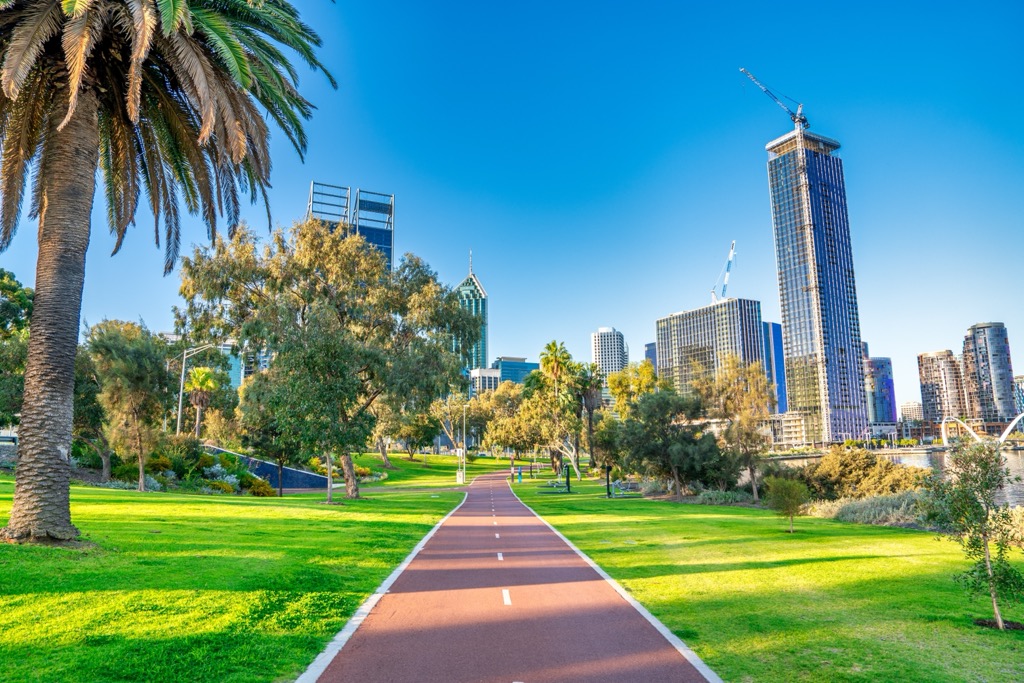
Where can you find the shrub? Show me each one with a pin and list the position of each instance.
(152, 484)
(215, 472)
(115, 484)
(363, 471)
(85, 455)
(158, 463)
(220, 486)
(262, 488)
(714, 497)
(126, 471)
(786, 496)
(897, 509)
(857, 473)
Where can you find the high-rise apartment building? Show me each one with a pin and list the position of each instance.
(608, 349)
(988, 373)
(942, 388)
(513, 368)
(371, 214)
(705, 336)
(651, 354)
(820, 323)
(879, 389)
(473, 298)
(1018, 393)
(483, 379)
(775, 363)
(911, 411)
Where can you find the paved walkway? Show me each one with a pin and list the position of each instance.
(495, 595)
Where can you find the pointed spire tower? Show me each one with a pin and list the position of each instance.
(473, 298)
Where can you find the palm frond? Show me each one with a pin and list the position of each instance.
(23, 134)
(39, 21)
(78, 40)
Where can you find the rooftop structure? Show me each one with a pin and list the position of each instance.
(370, 214)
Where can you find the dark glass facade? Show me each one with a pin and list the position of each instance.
(820, 323)
(775, 363)
(513, 369)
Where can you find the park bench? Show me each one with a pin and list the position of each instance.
(622, 488)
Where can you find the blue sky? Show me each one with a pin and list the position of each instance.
(598, 158)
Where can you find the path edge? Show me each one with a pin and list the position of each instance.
(324, 659)
(674, 640)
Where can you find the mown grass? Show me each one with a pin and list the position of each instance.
(198, 588)
(426, 471)
(833, 602)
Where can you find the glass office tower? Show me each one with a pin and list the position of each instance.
(820, 324)
(473, 298)
(372, 214)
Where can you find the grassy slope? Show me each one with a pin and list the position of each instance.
(198, 588)
(833, 602)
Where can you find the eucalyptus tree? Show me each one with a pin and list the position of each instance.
(164, 99)
(314, 295)
(591, 384)
(15, 305)
(134, 384)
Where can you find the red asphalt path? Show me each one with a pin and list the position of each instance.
(496, 595)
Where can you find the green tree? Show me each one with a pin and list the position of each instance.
(964, 504)
(417, 430)
(665, 436)
(314, 291)
(15, 305)
(89, 416)
(261, 432)
(13, 352)
(632, 382)
(131, 367)
(786, 496)
(161, 98)
(739, 396)
(591, 382)
(200, 385)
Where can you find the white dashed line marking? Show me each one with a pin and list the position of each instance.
(497, 535)
(501, 558)
(505, 597)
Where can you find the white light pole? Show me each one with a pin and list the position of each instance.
(186, 354)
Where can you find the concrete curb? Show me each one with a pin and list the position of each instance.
(320, 664)
(672, 638)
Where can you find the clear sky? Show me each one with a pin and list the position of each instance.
(598, 158)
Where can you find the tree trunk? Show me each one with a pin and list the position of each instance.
(383, 448)
(142, 457)
(351, 480)
(42, 504)
(105, 459)
(992, 586)
(752, 473)
(791, 524)
(280, 479)
(679, 484)
(330, 478)
(590, 439)
(199, 419)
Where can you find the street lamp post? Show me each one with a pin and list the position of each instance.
(186, 354)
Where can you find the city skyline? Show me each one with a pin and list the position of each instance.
(525, 159)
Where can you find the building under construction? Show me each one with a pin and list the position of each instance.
(371, 214)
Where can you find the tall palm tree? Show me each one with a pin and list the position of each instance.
(165, 98)
(200, 387)
(591, 381)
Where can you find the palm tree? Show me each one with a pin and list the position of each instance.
(166, 99)
(200, 387)
(591, 382)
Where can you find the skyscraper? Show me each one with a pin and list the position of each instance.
(651, 353)
(608, 349)
(880, 391)
(473, 298)
(942, 388)
(988, 374)
(911, 411)
(705, 336)
(372, 214)
(820, 323)
(513, 368)
(775, 363)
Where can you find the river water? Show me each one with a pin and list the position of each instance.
(936, 460)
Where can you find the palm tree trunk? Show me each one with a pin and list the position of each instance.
(199, 419)
(42, 501)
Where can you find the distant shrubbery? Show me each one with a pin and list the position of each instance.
(857, 473)
(898, 509)
(715, 497)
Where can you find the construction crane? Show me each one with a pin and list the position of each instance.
(798, 118)
(715, 298)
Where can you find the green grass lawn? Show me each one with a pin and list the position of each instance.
(833, 602)
(198, 588)
(428, 471)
